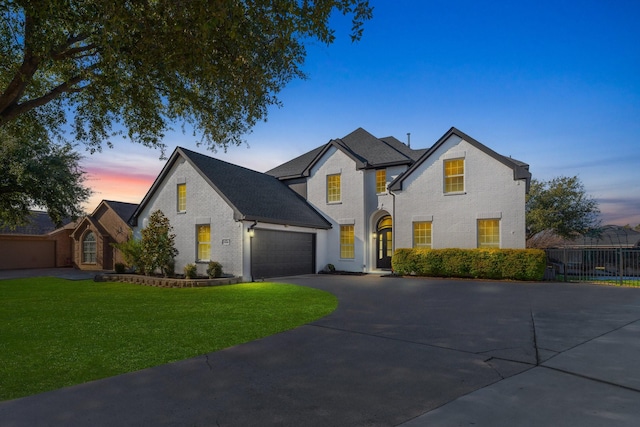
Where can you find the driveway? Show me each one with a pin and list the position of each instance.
(408, 352)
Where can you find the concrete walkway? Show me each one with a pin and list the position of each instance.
(62, 272)
(404, 352)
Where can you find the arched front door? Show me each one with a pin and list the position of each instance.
(384, 242)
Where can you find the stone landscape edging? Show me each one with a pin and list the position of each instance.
(166, 282)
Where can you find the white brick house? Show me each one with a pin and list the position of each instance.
(349, 202)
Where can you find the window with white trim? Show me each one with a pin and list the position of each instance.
(347, 242)
(333, 189)
(422, 234)
(488, 233)
(89, 248)
(454, 176)
(204, 242)
(182, 198)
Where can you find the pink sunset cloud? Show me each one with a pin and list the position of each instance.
(120, 186)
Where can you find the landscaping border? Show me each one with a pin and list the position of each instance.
(166, 282)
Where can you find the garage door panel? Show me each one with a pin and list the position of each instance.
(282, 253)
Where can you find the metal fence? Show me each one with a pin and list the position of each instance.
(616, 266)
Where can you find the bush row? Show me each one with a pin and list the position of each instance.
(513, 264)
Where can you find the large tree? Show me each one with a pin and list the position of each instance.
(137, 67)
(92, 70)
(560, 206)
(37, 173)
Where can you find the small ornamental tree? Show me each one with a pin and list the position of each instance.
(131, 251)
(158, 250)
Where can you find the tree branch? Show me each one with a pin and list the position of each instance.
(15, 110)
(17, 86)
(70, 53)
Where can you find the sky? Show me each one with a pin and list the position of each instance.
(555, 84)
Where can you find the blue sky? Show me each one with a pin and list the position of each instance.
(554, 84)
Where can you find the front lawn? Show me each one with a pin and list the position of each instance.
(55, 332)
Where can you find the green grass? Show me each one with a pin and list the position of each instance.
(55, 333)
(610, 280)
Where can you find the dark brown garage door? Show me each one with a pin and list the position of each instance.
(282, 253)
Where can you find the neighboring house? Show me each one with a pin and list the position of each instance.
(36, 244)
(94, 234)
(349, 202)
(605, 237)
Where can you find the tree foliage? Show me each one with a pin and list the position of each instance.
(561, 206)
(213, 66)
(36, 173)
(158, 245)
(131, 250)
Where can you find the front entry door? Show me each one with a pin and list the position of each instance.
(384, 243)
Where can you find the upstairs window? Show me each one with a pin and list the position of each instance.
(333, 189)
(204, 242)
(347, 239)
(454, 176)
(422, 235)
(182, 197)
(488, 233)
(381, 181)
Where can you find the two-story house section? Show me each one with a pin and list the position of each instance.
(379, 195)
(461, 194)
(346, 180)
(350, 202)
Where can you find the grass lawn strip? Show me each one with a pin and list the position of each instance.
(55, 332)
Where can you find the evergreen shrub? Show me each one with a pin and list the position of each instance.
(510, 264)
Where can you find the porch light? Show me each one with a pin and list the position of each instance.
(250, 229)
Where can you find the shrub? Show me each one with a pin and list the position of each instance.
(169, 269)
(190, 271)
(120, 267)
(516, 264)
(214, 270)
(131, 251)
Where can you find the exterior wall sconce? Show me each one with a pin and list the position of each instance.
(251, 230)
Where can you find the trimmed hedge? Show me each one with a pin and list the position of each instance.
(512, 264)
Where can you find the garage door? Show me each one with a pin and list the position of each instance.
(282, 253)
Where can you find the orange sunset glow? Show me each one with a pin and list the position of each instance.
(125, 186)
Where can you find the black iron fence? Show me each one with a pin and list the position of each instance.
(616, 266)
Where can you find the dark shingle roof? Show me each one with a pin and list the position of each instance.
(38, 223)
(123, 209)
(607, 236)
(373, 151)
(295, 167)
(253, 196)
(364, 148)
(404, 148)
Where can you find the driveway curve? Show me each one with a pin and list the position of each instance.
(397, 351)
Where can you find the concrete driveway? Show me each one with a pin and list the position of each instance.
(407, 352)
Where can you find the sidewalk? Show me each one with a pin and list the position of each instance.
(595, 384)
(68, 273)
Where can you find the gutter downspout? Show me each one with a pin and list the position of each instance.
(250, 231)
(393, 227)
